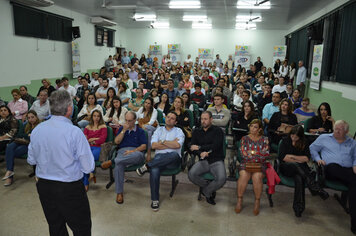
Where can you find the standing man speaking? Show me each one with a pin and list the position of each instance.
(62, 154)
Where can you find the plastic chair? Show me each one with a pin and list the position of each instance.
(109, 138)
(134, 84)
(133, 94)
(160, 118)
(307, 124)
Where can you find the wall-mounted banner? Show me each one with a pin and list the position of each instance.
(279, 52)
(75, 59)
(242, 50)
(156, 53)
(174, 51)
(244, 61)
(316, 67)
(205, 55)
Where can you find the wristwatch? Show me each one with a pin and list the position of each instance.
(162, 141)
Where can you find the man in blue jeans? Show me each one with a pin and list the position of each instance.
(167, 141)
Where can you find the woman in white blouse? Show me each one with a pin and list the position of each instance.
(85, 112)
(115, 116)
(147, 120)
(124, 93)
(284, 69)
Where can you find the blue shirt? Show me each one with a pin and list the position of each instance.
(162, 134)
(60, 151)
(125, 60)
(171, 94)
(301, 75)
(133, 138)
(269, 110)
(326, 147)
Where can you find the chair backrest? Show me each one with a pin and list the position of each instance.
(110, 134)
(75, 112)
(133, 94)
(134, 84)
(160, 117)
(146, 95)
(238, 146)
(191, 118)
(307, 124)
(20, 129)
(104, 111)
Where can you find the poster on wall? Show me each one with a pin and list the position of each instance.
(75, 59)
(205, 55)
(242, 56)
(174, 51)
(156, 53)
(316, 67)
(279, 52)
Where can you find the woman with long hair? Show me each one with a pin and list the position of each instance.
(124, 93)
(244, 118)
(126, 79)
(323, 122)
(158, 87)
(96, 133)
(296, 99)
(115, 116)
(163, 104)
(254, 150)
(187, 103)
(83, 99)
(294, 155)
(19, 146)
(84, 114)
(46, 85)
(109, 96)
(303, 113)
(147, 120)
(137, 102)
(281, 122)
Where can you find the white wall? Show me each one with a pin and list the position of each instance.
(223, 41)
(39, 58)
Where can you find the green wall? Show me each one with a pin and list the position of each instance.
(33, 87)
(341, 108)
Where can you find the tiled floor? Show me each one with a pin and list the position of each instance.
(21, 213)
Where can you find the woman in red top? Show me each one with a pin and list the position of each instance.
(96, 133)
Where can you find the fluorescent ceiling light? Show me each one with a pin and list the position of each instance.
(244, 26)
(245, 18)
(143, 17)
(195, 18)
(201, 26)
(251, 4)
(121, 7)
(160, 25)
(184, 4)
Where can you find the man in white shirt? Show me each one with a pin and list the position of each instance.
(281, 87)
(217, 61)
(167, 141)
(189, 59)
(67, 87)
(301, 77)
(102, 91)
(41, 105)
(111, 79)
(79, 84)
(94, 82)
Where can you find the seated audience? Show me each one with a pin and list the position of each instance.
(132, 142)
(296, 99)
(83, 100)
(167, 141)
(183, 118)
(19, 146)
(280, 87)
(244, 118)
(220, 115)
(226, 91)
(198, 97)
(137, 102)
(181, 88)
(81, 89)
(281, 122)
(186, 100)
(26, 96)
(271, 108)
(163, 104)
(294, 155)
(147, 120)
(254, 151)
(109, 96)
(323, 122)
(154, 96)
(17, 106)
(337, 152)
(264, 98)
(246, 96)
(238, 95)
(258, 88)
(8, 127)
(96, 133)
(47, 85)
(102, 91)
(115, 116)
(67, 87)
(303, 113)
(41, 105)
(85, 112)
(208, 144)
(158, 87)
(128, 82)
(171, 91)
(124, 93)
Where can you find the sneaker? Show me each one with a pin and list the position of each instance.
(142, 170)
(155, 205)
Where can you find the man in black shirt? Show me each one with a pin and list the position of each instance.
(258, 64)
(208, 143)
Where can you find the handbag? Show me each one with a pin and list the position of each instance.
(105, 150)
(143, 121)
(188, 131)
(22, 141)
(253, 167)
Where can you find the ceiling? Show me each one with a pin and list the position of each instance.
(221, 13)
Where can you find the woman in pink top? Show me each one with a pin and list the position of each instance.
(18, 106)
(96, 133)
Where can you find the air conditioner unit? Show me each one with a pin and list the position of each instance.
(97, 20)
(35, 3)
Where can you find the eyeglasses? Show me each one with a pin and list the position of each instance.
(129, 120)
